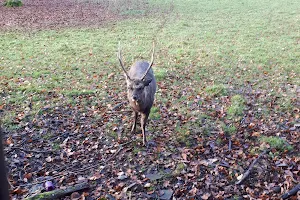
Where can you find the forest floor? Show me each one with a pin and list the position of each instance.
(226, 98)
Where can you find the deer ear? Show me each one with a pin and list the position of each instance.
(147, 81)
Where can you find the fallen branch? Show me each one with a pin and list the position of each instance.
(55, 194)
(229, 145)
(117, 111)
(117, 106)
(246, 174)
(292, 192)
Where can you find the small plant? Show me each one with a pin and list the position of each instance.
(179, 168)
(237, 106)
(56, 146)
(216, 90)
(277, 143)
(136, 150)
(13, 3)
(285, 104)
(154, 113)
(230, 129)
(183, 134)
(160, 74)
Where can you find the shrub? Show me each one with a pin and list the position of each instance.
(13, 3)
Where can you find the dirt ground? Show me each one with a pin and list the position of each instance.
(54, 14)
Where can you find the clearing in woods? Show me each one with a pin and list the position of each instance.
(228, 88)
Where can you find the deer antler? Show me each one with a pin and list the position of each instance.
(151, 62)
(120, 60)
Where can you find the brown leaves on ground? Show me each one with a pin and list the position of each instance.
(191, 158)
(199, 152)
(54, 14)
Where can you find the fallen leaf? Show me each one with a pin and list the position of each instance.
(147, 185)
(48, 159)
(205, 196)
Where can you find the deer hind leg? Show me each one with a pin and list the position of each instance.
(133, 129)
(144, 118)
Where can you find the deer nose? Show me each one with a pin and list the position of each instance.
(134, 97)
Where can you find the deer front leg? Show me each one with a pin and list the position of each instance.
(144, 118)
(134, 123)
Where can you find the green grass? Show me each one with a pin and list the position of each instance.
(237, 107)
(277, 143)
(213, 43)
(182, 134)
(160, 74)
(229, 129)
(216, 90)
(154, 113)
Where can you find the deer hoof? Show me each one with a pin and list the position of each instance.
(145, 144)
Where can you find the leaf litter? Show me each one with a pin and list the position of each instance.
(66, 144)
(199, 152)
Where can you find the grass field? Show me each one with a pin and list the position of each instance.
(217, 64)
(223, 41)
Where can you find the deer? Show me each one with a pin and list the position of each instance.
(141, 88)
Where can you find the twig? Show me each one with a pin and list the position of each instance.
(118, 111)
(118, 151)
(292, 192)
(33, 151)
(229, 145)
(117, 106)
(246, 174)
(125, 189)
(224, 164)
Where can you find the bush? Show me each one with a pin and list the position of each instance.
(13, 3)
